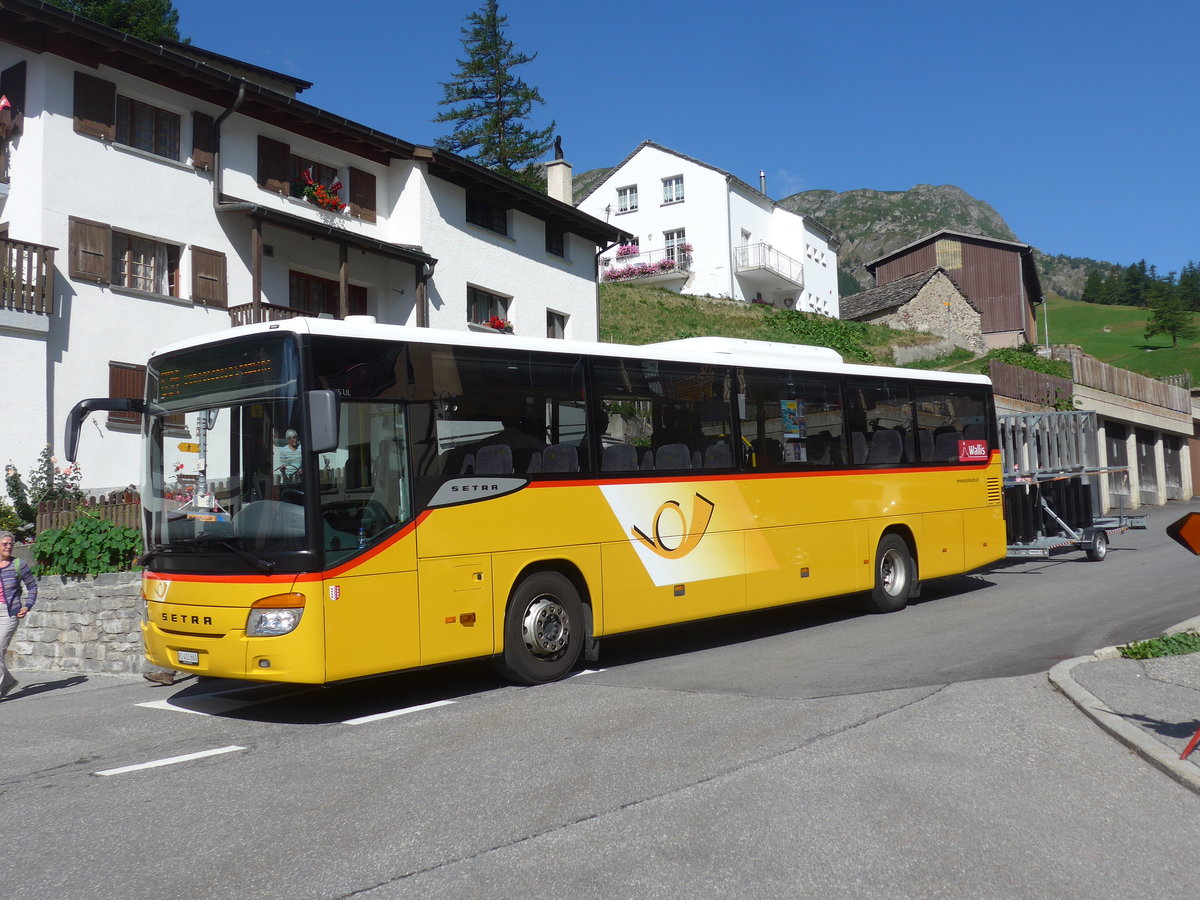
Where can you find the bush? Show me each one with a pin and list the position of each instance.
(88, 546)
(1168, 645)
(46, 482)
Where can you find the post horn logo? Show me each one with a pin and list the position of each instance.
(702, 510)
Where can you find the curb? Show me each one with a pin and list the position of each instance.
(1136, 739)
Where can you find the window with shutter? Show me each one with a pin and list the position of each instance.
(273, 166)
(143, 264)
(12, 86)
(362, 194)
(125, 380)
(208, 277)
(95, 106)
(202, 141)
(90, 250)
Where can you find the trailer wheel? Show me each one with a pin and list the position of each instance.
(1098, 549)
(895, 575)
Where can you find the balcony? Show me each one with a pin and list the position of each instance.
(654, 266)
(764, 268)
(267, 312)
(26, 278)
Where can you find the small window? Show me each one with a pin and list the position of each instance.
(555, 240)
(673, 189)
(627, 199)
(323, 175)
(483, 306)
(487, 215)
(556, 325)
(147, 127)
(144, 264)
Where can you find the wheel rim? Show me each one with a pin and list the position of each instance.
(1100, 548)
(893, 573)
(545, 627)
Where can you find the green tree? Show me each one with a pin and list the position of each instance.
(1093, 288)
(150, 20)
(1169, 314)
(1189, 286)
(488, 103)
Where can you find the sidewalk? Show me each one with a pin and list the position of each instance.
(1150, 705)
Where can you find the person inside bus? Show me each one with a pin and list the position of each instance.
(288, 457)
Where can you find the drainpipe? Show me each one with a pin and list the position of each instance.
(217, 204)
(729, 237)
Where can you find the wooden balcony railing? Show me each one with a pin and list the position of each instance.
(26, 277)
(267, 312)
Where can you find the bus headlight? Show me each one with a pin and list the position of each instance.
(275, 615)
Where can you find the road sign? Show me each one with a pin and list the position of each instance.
(1187, 532)
(186, 447)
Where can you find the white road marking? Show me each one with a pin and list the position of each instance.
(216, 703)
(589, 672)
(362, 720)
(170, 761)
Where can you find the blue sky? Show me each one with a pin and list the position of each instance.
(1077, 121)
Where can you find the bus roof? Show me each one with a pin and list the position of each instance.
(711, 350)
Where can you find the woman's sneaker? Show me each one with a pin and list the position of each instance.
(161, 676)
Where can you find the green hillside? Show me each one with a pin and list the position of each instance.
(1117, 335)
(641, 314)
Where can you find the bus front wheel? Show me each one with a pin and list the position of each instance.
(543, 629)
(895, 575)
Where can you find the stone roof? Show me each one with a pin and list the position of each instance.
(894, 294)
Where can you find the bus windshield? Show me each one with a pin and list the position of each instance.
(225, 468)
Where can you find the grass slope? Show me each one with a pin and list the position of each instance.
(1125, 343)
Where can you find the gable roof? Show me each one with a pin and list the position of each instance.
(894, 294)
(268, 97)
(944, 233)
(728, 176)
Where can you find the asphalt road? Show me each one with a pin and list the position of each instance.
(808, 752)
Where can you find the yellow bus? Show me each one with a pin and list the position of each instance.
(327, 500)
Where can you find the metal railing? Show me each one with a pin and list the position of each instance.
(763, 256)
(26, 277)
(645, 264)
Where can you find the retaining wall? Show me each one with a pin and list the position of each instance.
(82, 625)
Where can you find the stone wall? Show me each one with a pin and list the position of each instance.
(82, 625)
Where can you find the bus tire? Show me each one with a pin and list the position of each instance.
(543, 629)
(1098, 548)
(895, 575)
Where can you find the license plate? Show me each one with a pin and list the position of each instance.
(189, 657)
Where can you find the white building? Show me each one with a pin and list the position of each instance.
(701, 230)
(148, 193)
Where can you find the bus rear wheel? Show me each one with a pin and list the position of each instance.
(895, 575)
(543, 629)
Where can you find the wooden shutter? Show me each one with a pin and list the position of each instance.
(91, 250)
(362, 194)
(95, 106)
(208, 277)
(202, 141)
(273, 165)
(125, 380)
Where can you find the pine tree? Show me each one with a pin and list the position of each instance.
(1189, 286)
(488, 103)
(1093, 288)
(150, 20)
(1168, 312)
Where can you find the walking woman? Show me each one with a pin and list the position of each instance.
(13, 576)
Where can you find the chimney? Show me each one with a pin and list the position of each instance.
(762, 181)
(558, 181)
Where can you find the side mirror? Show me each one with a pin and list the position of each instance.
(322, 421)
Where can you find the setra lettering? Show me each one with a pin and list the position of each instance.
(473, 488)
(181, 619)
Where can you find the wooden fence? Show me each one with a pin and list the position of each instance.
(119, 507)
(1095, 374)
(1019, 383)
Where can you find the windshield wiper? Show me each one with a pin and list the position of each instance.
(266, 566)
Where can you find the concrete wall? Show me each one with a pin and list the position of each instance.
(82, 625)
